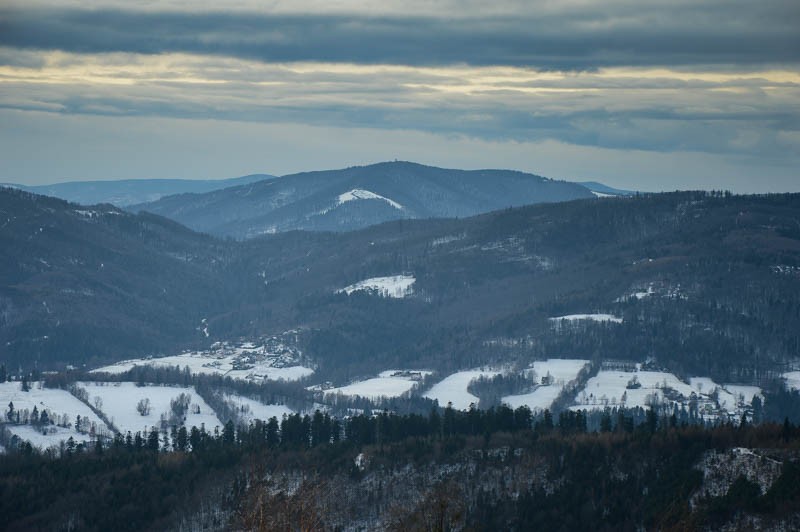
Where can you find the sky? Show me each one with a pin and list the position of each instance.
(656, 95)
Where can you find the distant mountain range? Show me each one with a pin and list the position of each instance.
(352, 198)
(602, 190)
(331, 200)
(130, 191)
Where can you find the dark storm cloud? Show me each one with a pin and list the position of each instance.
(705, 33)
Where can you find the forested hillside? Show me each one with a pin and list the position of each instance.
(702, 283)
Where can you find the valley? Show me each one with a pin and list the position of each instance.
(637, 318)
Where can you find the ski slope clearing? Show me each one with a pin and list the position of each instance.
(120, 399)
(395, 286)
(453, 389)
(250, 409)
(360, 194)
(391, 383)
(62, 409)
(602, 318)
(553, 374)
(245, 361)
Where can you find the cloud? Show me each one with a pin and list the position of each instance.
(695, 82)
(577, 37)
(659, 110)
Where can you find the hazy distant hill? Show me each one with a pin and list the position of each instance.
(604, 190)
(352, 198)
(129, 191)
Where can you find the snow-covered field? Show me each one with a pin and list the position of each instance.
(61, 406)
(119, 400)
(453, 388)
(729, 396)
(539, 399)
(391, 383)
(792, 380)
(250, 409)
(395, 286)
(53, 438)
(245, 361)
(202, 363)
(611, 388)
(557, 372)
(743, 393)
(591, 317)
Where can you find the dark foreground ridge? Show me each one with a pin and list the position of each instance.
(493, 470)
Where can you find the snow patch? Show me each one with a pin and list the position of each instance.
(447, 239)
(591, 317)
(396, 286)
(721, 469)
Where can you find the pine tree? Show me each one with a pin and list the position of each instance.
(182, 439)
(273, 438)
(152, 440)
(228, 433)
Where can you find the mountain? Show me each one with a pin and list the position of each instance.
(352, 198)
(130, 191)
(80, 283)
(704, 284)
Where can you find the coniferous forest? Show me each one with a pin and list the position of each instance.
(475, 470)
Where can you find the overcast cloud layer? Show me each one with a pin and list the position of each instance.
(713, 84)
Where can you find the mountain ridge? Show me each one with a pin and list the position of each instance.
(392, 190)
(702, 282)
